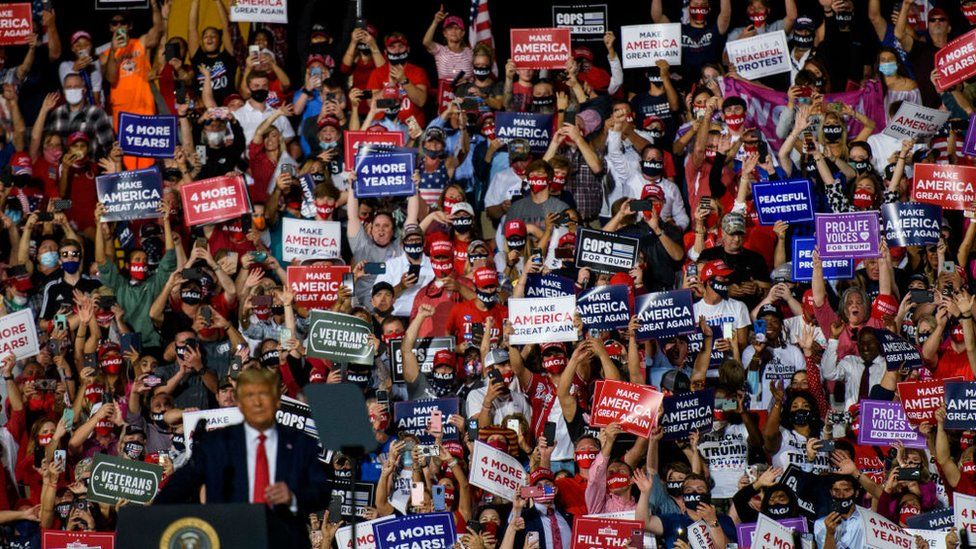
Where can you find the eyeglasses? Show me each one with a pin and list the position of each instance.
(71, 253)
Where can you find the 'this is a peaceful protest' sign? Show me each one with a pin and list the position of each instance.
(761, 55)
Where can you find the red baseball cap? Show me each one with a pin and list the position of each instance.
(396, 37)
(652, 190)
(808, 305)
(445, 358)
(325, 60)
(453, 21)
(568, 239)
(713, 269)
(20, 164)
(884, 305)
(330, 121)
(78, 136)
(583, 52)
(541, 473)
(485, 277)
(440, 247)
(515, 228)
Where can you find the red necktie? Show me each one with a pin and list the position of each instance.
(557, 538)
(261, 473)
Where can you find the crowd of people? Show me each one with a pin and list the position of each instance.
(142, 321)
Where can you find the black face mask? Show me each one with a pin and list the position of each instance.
(172, 174)
(721, 288)
(435, 155)
(414, 251)
(674, 487)
(442, 384)
(191, 296)
(463, 224)
(277, 309)
(22, 180)
(844, 504)
(158, 420)
(692, 500)
(134, 450)
(652, 168)
(360, 378)
(259, 95)
(481, 72)
(543, 101)
(802, 41)
(317, 177)
(802, 417)
(270, 359)
(397, 58)
(343, 474)
(63, 509)
(861, 166)
(179, 442)
(363, 48)
(779, 511)
(833, 133)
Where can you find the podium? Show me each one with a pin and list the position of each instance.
(211, 526)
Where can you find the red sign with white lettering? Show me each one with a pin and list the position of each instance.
(354, 139)
(921, 399)
(634, 407)
(597, 533)
(316, 286)
(540, 48)
(57, 539)
(214, 200)
(951, 187)
(956, 62)
(445, 94)
(16, 26)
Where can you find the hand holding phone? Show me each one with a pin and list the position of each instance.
(436, 425)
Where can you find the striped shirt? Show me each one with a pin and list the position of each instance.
(449, 63)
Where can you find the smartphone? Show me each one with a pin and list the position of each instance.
(259, 257)
(207, 313)
(38, 456)
(477, 333)
(61, 204)
(123, 34)
(549, 431)
(496, 376)
(91, 360)
(514, 425)
(16, 270)
(374, 268)
(61, 322)
(387, 103)
(283, 336)
(759, 328)
(564, 253)
(414, 270)
(69, 418)
(910, 473)
(171, 51)
(45, 384)
(705, 203)
(383, 398)
(640, 205)
(683, 534)
(335, 509)
(45, 216)
(531, 492)
(191, 273)
(60, 459)
(728, 330)
(131, 341)
(922, 296)
(108, 397)
(261, 301)
(826, 446)
(569, 117)
(253, 51)
(437, 495)
(151, 381)
(367, 95)
(106, 302)
(417, 494)
(949, 267)
(470, 104)
(593, 333)
(472, 430)
(436, 424)
(477, 527)
(532, 538)
(54, 345)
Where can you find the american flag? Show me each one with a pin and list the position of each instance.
(480, 30)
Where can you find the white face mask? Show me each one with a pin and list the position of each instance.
(83, 53)
(215, 138)
(74, 95)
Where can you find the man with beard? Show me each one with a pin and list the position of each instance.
(843, 527)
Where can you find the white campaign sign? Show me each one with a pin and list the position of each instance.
(915, 122)
(881, 533)
(964, 511)
(18, 334)
(770, 534)
(496, 471)
(215, 419)
(643, 45)
(699, 536)
(364, 534)
(542, 319)
(760, 55)
(935, 538)
(259, 11)
(309, 238)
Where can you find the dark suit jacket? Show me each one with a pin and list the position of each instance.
(219, 462)
(533, 523)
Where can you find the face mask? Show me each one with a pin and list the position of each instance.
(391, 114)
(802, 41)
(463, 224)
(49, 259)
(74, 95)
(735, 121)
(758, 19)
(397, 58)
(557, 184)
(112, 365)
(434, 154)
(720, 288)
(328, 145)
(137, 270)
(324, 210)
(674, 487)
(134, 450)
(215, 139)
(888, 69)
(317, 177)
(259, 95)
(698, 14)
(543, 101)
(652, 168)
(554, 364)
(442, 269)
(414, 251)
(802, 417)
(270, 359)
(709, 155)
(442, 383)
(158, 420)
(481, 72)
(20, 300)
(71, 267)
(259, 222)
(833, 133)
(617, 481)
(908, 512)
(845, 504)
(778, 511)
(344, 474)
(863, 199)
(538, 184)
(53, 156)
(584, 458)
(957, 334)
(860, 166)
(190, 296)
(488, 298)
(970, 12)
(692, 500)
(548, 497)
(63, 509)
(44, 440)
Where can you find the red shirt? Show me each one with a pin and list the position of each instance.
(571, 495)
(952, 364)
(461, 256)
(262, 169)
(47, 174)
(81, 190)
(443, 303)
(466, 313)
(361, 71)
(416, 75)
(542, 395)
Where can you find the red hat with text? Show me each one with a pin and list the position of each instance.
(652, 191)
(20, 164)
(485, 277)
(715, 268)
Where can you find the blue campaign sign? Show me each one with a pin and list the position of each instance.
(911, 223)
(960, 405)
(534, 128)
(604, 308)
(790, 200)
(427, 530)
(665, 314)
(934, 520)
(384, 174)
(130, 195)
(687, 412)
(413, 416)
(550, 285)
(833, 269)
(152, 136)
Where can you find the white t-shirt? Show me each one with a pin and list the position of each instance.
(395, 269)
(793, 331)
(785, 362)
(727, 310)
(727, 452)
(504, 185)
(793, 451)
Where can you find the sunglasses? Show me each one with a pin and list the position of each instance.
(938, 20)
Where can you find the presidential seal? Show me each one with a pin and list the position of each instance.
(189, 533)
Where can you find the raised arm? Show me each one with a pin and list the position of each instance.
(657, 12)
(193, 28)
(429, 35)
(411, 367)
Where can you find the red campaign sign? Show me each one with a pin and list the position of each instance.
(214, 200)
(540, 48)
(634, 407)
(354, 139)
(948, 186)
(57, 539)
(16, 25)
(316, 286)
(921, 399)
(597, 533)
(956, 62)
(445, 94)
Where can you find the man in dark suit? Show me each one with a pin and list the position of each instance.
(256, 462)
(553, 527)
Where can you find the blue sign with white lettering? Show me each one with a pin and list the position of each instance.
(413, 416)
(427, 530)
(665, 314)
(604, 308)
(130, 195)
(790, 200)
(833, 269)
(687, 412)
(384, 174)
(534, 128)
(550, 285)
(151, 136)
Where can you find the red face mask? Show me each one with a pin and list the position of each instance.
(258, 222)
(616, 481)
(104, 428)
(557, 183)
(263, 313)
(449, 204)
(325, 210)
(442, 269)
(93, 393)
(968, 468)
(970, 12)
(538, 184)
(554, 364)
(112, 364)
(698, 14)
(863, 199)
(449, 497)
(518, 171)
(907, 512)
(585, 458)
(499, 444)
(44, 440)
(104, 318)
(735, 121)
(758, 19)
(489, 131)
(957, 334)
(393, 335)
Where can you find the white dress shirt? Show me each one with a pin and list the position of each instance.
(250, 118)
(395, 269)
(270, 450)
